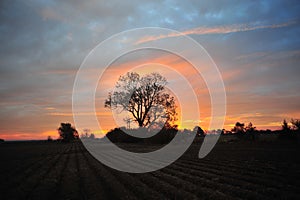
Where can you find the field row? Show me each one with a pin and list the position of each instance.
(68, 171)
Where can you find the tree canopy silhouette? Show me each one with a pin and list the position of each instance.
(239, 128)
(296, 124)
(67, 132)
(145, 98)
(199, 131)
(285, 126)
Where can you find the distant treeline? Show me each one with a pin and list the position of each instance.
(240, 130)
(250, 131)
(120, 135)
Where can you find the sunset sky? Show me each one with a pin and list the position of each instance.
(255, 44)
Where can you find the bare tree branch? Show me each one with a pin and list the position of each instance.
(144, 97)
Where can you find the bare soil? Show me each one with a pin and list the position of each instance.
(233, 170)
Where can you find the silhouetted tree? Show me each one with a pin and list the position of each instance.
(250, 127)
(67, 132)
(286, 132)
(92, 136)
(296, 124)
(285, 126)
(86, 133)
(1, 140)
(199, 131)
(239, 128)
(49, 138)
(145, 98)
(223, 132)
(251, 130)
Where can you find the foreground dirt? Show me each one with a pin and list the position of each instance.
(239, 170)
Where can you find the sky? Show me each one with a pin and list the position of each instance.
(255, 45)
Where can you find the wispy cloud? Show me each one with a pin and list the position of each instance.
(217, 30)
(80, 114)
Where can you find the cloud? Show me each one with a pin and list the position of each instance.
(50, 14)
(44, 42)
(217, 30)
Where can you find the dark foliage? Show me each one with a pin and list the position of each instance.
(87, 134)
(250, 132)
(162, 137)
(199, 131)
(67, 132)
(243, 132)
(144, 98)
(239, 128)
(296, 124)
(287, 133)
(49, 139)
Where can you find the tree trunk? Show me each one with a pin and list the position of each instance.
(140, 123)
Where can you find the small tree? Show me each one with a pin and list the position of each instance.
(199, 131)
(92, 136)
(86, 133)
(285, 126)
(49, 138)
(286, 132)
(296, 124)
(67, 132)
(239, 128)
(251, 130)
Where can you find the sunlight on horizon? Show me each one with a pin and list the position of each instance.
(255, 46)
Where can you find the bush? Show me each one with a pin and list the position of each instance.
(162, 137)
(287, 133)
(67, 132)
